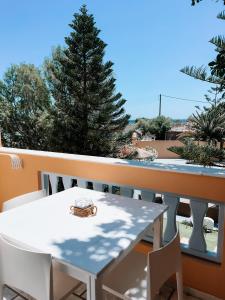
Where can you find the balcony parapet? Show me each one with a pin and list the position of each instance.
(165, 165)
(176, 178)
(203, 187)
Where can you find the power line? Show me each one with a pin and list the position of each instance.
(184, 99)
(177, 98)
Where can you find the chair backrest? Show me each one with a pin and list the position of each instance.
(23, 199)
(28, 271)
(162, 264)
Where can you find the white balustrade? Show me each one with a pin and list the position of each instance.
(127, 192)
(53, 178)
(197, 243)
(82, 183)
(67, 182)
(220, 241)
(98, 186)
(171, 226)
(147, 195)
(110, 189)
(197, 240)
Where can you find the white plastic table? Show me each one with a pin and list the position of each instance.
(85, 248)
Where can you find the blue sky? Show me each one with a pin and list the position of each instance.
(148, 41)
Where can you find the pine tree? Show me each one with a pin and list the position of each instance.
(88, 113)
(193, 2)
(216, 72)
(209, 124)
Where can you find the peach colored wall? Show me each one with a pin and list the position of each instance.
(161, 147)
(202, 275)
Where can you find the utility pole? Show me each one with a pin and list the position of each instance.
(160, 104)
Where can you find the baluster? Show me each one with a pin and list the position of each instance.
(197, 239)
(137, 194)
(45, 182)
(127, 192)
(110, 189)
(54, 182)
(147, 195)
(171, 226)
(220, 241)
(67, 182)
(82, 183)
(97, 186)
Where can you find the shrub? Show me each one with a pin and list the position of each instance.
(153, 151)
(131, 152)
(206, 155)
(128, 152)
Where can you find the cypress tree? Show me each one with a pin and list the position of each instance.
(88, 113)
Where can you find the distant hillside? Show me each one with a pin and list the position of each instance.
(179, 121)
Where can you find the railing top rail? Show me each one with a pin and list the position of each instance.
(133, 187)
(165, 165)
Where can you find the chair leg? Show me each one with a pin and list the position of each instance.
(1, 291)
(179, 285)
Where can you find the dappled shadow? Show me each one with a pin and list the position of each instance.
(96, 252)
(116, 227)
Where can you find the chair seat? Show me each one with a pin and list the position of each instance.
(63, 285)
(129, 279)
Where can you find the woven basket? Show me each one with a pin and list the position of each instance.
(83, 212)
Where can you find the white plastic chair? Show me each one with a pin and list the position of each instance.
(139, 277)
(32, 273)
(23, 199)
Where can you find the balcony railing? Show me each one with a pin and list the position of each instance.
(197, 243)
(202, 188)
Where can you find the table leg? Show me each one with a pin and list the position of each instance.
(94, 289)
(157, 238)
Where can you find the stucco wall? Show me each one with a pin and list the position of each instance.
(202, 275)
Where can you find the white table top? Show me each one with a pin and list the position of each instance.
(87, 243)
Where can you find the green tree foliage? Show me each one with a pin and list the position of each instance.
(157, 126)
(88, 114)
(193, 2)
(215, 73)
(143, 124)
(209, 125)
(206, 155)
(24, 106)
(213, 97)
